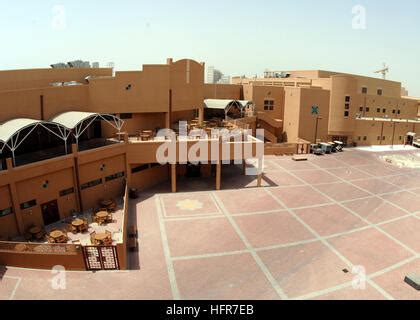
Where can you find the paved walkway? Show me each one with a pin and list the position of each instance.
(343, 226)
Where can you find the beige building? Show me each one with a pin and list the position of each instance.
(351, 108)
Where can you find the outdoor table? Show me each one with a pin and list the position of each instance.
(35, 230)
(58, 236)
(101, 214)
(106, 202)
(77, 223)
(101, 237)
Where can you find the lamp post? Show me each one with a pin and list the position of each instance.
(316, 127)
(315, 112)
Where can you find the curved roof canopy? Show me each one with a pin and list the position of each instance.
(10, 131)
(225, 104)
(10, 128)
(79, 121)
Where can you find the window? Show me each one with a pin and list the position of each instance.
(364, 90)
(359, 138)
(394, 111)
(139, 168)
(378, 110)
(28, 204)
(364, 138)
(114, 176)
(347, 106)
(269, 105)
(384, 110)
(91, 184)
(346, 114)
(361, 109)
(126, 115)
(347, 99)
(400, 138)
(6, 212)
(399, 112)
(367, 109)
(378, 138)
(66, 192)
(380, 92)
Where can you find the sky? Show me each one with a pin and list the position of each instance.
(237, 37)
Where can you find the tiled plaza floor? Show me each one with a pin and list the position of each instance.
(309, 233)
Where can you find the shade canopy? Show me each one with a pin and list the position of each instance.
(72, 119)
(10, 128)
(14, 132)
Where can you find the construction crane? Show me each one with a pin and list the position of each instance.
(383, 71)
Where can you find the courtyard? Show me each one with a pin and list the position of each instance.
(340, 226)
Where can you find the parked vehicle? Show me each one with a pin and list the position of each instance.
(340, 146)
(316, 149)
(326, 147)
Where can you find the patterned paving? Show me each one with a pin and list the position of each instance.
(302, 236)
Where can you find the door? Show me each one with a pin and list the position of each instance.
(50, 212)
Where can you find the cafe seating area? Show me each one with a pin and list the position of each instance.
(195, 130)
(96, 226)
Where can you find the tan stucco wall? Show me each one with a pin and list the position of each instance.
(223, 91)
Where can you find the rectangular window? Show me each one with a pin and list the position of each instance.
(400, 138)
(66, 192)
(364, 90)
(6, 212)
(91, 184)
(347, 106)
(384, 110)
(347, 99)
(361, 109)
(367, 109)
(346, 114)
(380, 92)
(139, 168)
(126, 115)
(394, 111)
(399, 112)
(359, 138)
(28, 204)
(114, 176)
(378, 110)
(269, 105)
(378, 138)
(364, 138)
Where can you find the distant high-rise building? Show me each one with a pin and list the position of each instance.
(214, 75)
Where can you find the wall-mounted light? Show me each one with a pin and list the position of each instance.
(45, 184)
(128, 87)
(102, 167)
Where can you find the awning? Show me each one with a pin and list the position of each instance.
(10, 128)
(245, 103)
(220, 104)
(79, 121)
(13, 134)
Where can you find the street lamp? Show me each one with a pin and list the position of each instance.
(316, 127)
(315, 112)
